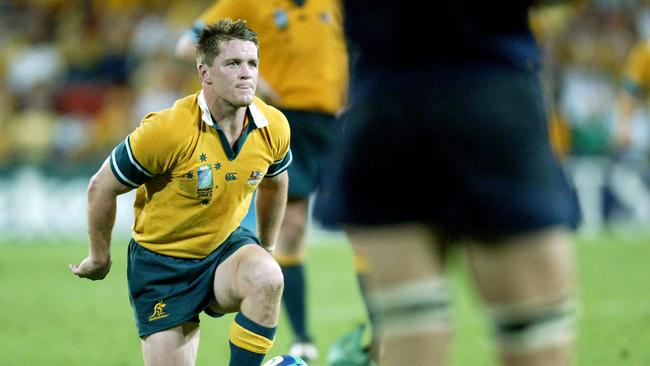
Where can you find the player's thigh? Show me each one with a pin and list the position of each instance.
(398, 253)
(536, 266)
(250, 267)
(406, 282)
(174, 346)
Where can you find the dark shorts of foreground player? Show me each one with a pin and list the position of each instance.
(168, 291)
(464, 149)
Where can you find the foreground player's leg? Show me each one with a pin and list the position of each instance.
(290, 255)
(249, 282)
(362, 267)
(354, 348)
(409, 297)
(177, 346)
(528, 282)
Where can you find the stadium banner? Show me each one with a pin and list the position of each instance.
(34, 205)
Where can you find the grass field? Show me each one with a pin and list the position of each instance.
(49, 317)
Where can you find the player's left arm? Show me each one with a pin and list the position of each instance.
(270, 204)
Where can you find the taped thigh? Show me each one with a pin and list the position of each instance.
(413, 307)
(534, 326)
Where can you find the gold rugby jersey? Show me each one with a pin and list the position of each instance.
(302, 48)
(193, 189)
(636, 74)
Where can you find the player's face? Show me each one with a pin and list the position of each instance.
(233, 74)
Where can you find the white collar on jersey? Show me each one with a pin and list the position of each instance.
(258, 117)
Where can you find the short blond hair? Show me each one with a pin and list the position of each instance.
(213, 36)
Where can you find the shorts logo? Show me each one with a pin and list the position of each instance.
(231, 176)
(158, 312)
(255, 178)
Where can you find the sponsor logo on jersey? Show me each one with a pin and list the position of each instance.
(231, 176)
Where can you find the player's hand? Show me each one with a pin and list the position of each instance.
(91, 269)
(266, 93)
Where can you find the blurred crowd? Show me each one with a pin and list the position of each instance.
(79, 75)
(588, 47)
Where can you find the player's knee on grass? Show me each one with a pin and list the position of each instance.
(412, 307)
(534, 326)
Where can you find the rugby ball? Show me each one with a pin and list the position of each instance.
(285, 360)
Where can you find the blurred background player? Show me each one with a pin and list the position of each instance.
(634, 91)
(195, 167)
(466, 104)
(305, 75)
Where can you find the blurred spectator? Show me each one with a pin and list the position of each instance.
(550, 26)
(157, 84)
(32, 127)
(7, 116)
(115, 118)
(34, 59)
(73, 77)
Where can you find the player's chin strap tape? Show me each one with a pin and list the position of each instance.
(530, 327)
(414, 307)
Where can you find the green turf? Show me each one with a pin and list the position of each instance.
(49, 317)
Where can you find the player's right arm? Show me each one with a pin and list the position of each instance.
(186, 44)
(102, 206)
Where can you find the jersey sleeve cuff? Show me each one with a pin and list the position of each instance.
(126, 168)
(280, 165)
